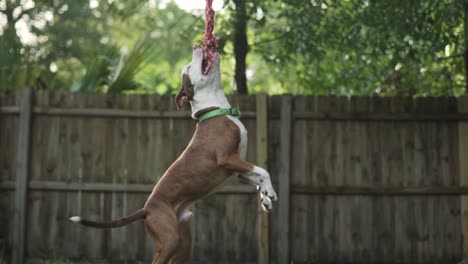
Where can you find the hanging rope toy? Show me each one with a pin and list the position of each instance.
(210, 45)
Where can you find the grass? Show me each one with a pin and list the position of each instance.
(58, 261)
(3, 252)
(4, 258)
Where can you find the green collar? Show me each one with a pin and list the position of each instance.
(217, 112)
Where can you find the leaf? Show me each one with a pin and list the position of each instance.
(123, 78)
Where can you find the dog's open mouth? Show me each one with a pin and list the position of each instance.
(209, 55)
(205, 68)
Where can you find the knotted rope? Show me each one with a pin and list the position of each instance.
(210, 45)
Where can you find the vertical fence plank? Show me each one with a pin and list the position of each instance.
(22, 166)
(262, 161)
(463, 163)
(284, 179)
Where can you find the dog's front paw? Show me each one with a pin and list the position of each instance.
(272, 195)
(269, 192)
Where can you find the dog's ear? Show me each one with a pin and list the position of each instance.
(185, 93)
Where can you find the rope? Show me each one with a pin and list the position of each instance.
(210, 45)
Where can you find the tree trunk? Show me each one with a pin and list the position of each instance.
(465, 55)
(11, 40)
(241, 46)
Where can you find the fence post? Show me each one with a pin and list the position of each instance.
(463, 165)
(22, 169)
(263, 246)
(284, 179)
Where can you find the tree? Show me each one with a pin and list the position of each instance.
(465, 30)
(365, 47)
(353, 47)
(241, 46)
(64, 34)
(84, 45)
(239, 14)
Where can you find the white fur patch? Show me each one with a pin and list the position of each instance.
(206, 88)
(243, 136)
(75, 219)
(208, 97)
(185, 216)
(260, 171)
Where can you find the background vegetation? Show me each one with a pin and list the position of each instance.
(349, 47)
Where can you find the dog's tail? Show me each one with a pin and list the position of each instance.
(140, 214)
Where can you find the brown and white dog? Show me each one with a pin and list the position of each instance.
(216, 152)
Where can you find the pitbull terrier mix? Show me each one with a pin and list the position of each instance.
(216, 152)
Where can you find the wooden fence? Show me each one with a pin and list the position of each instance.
(360, 180)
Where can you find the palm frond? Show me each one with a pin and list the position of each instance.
(123, 78)
(96, 74)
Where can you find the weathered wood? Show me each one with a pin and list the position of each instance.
(381, 117)
(300, 115)
(8, 154)
(382, 186)
(284, 179)
(9, 110)
(109, 113)
(262, 161)
(381, 191)
(246, 189)
(22, 172)
(463, 163)
(111, 187)
(302, 140)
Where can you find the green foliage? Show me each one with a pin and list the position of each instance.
(350, 47)
(360, 47)
(116, 73)
(63, 31)
(162, 45)
(96, 74)
(129, 65)
(173, 32)
(18, 76)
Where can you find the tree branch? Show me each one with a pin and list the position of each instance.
(454, 56)
(264, 41)
(24, 12)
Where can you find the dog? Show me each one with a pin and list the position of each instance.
(215, 153)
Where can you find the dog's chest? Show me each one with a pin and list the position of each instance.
(243, 137)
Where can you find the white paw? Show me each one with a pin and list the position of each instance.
(268, 191)
(267, 204)
(272, 194)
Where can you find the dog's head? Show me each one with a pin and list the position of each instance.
(193, 78)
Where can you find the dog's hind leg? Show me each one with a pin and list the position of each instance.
(185, 244)
(163, 225)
